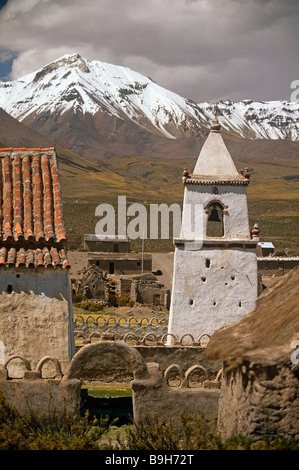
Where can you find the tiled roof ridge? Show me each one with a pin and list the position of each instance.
(46, 257)
(31, 195)
(32, 230)
(25, 149)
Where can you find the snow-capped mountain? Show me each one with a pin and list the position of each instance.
(83, 86)
(79, 103)
(257, 119)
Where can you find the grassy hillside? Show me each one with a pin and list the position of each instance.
(157, 176)
(278, 221)
(142, 178)
(273, 193)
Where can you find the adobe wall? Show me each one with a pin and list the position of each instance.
(43, 396)
(155, 397)
(148, 337)
(122, 266)
(276, 266)
(259, 399)
(151, 392)
(36, 315)
(106, 246)
(112, 368)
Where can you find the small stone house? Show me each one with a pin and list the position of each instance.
(121, 263)
(260, 385)
(145, 289)
(103, 244)
(35, 294)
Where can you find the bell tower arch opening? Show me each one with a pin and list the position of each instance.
(215, 220)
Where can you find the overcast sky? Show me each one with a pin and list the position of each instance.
(206, 50)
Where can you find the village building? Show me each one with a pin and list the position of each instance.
(145, 289)
(121, 263)
(98, 243)
(215, 280)
(35, 294)
(264, 249)
(113, 256)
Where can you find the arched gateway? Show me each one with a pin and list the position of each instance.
(130, 355)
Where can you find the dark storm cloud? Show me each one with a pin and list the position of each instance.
(201, 49)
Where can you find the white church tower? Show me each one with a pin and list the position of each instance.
(215, 265)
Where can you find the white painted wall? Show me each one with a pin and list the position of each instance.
(236, 221)
(206, 298)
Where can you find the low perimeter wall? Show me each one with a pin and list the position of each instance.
(151, 392)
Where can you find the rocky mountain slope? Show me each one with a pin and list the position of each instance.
(100, 110)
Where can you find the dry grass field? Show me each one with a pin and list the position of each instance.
(278, 220)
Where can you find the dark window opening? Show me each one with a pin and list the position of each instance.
(203, 279)
(208, 263)
(190, 302)
(215, 226)
(240, 304)
(111, 268)
(9, 289)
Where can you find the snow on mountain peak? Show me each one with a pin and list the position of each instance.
(89, 86)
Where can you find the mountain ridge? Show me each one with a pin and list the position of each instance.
(107, 152)
(98, 110)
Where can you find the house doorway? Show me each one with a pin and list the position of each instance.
(111, 267)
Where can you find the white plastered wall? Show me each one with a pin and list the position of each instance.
(236, 221)
(211, 288)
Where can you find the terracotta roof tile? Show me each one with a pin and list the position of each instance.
(31, 214)
(33, 257)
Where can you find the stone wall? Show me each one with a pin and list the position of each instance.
(149, 338)
(276, 266)
(94, 243)
(150, 293)
(93, 283)
(145, 291)
(262, 400)
(151, 391)
(121, 263)
(112, 368)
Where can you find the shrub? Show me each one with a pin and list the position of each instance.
(88, 306)
(192, 432)
(112, 300)
(125, 301)
(78, 298)
(154, 433)
(53, 433)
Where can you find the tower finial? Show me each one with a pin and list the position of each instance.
(215, 126)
